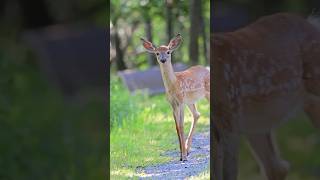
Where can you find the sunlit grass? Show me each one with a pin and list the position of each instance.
(205, 175)
(143, 128)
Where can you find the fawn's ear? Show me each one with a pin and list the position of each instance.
(148, 45)
(175, 42)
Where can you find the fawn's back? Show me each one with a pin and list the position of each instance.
(264, 72)
(193, 84)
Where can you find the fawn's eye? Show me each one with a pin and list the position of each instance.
(157, 54)
(168, 52)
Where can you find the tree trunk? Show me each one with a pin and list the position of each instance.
(181, 28)
(169, 19)
(148, 29)
(119, 54)
(204, 37)
(35, 16)
(195, 13)
(3, 3)
(169, 4)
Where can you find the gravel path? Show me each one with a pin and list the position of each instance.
(198, 161)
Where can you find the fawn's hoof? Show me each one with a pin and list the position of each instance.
(183, 159)
(282, 169)
(279, 170)
(188, 150)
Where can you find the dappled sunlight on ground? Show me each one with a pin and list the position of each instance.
(122, 173)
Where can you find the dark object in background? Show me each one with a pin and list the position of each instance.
(35, 13)
(150, 80)
(74, 59)
(228, 17)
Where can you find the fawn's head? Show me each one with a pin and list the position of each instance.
(163, 53)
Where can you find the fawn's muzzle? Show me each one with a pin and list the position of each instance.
(163, 60)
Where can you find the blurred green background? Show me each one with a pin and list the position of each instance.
(43, 133)
(158, 21)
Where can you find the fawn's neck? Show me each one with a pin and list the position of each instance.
(168, 75)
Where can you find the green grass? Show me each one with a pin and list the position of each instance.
(205, 175)
(142, 129)
(299, 144)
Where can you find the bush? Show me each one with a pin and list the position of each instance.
(123, 106)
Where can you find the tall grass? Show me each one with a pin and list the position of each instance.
(123, 107)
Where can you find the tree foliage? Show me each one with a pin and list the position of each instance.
(166, 18)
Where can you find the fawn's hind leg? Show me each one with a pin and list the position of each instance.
(225, 154)
(217, 150)
(196, 116)
(230, 141)
(178, 114)
(267, 154)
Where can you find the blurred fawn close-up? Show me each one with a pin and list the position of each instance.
(262, 75)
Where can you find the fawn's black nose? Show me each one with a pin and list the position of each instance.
(163, 60)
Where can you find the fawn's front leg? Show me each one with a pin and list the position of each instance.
(178, 113)
(231, 142)
(225, 154)
(217, 149)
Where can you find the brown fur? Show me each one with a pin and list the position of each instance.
(182, 88)
(262, 74)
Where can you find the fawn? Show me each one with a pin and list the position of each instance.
(262, 74)
(182, 88)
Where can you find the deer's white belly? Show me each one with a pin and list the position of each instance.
(192, 97)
